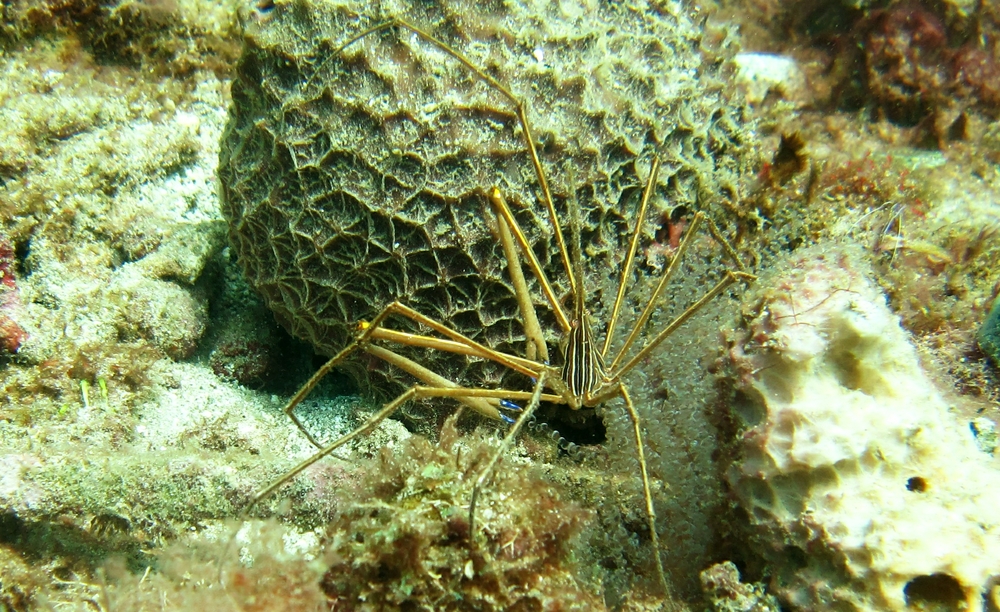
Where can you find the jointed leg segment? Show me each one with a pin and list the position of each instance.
(456, 342)
(415, 392)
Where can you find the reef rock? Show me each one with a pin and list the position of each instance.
(863, 491)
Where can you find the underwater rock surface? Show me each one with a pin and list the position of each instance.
(861, 487)
(142, 407)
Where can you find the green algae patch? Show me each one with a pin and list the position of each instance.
(989, 334)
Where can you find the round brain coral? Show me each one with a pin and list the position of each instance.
(353, 179)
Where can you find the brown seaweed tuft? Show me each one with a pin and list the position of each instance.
(403, 543)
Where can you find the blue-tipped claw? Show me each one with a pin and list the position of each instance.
(506, 419)
(509, 405)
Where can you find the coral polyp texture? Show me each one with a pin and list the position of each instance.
(352, 179)
(863, 490)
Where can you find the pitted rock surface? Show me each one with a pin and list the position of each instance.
(353, 179)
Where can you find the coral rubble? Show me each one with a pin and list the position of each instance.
(923, 72)
(113, 439)
(403, 543)
(862, 489)
(179, 37)
(722, 586)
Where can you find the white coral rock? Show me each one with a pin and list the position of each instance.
(759, 74)
(867, 492)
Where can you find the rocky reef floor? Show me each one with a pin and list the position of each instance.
(142, 380)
